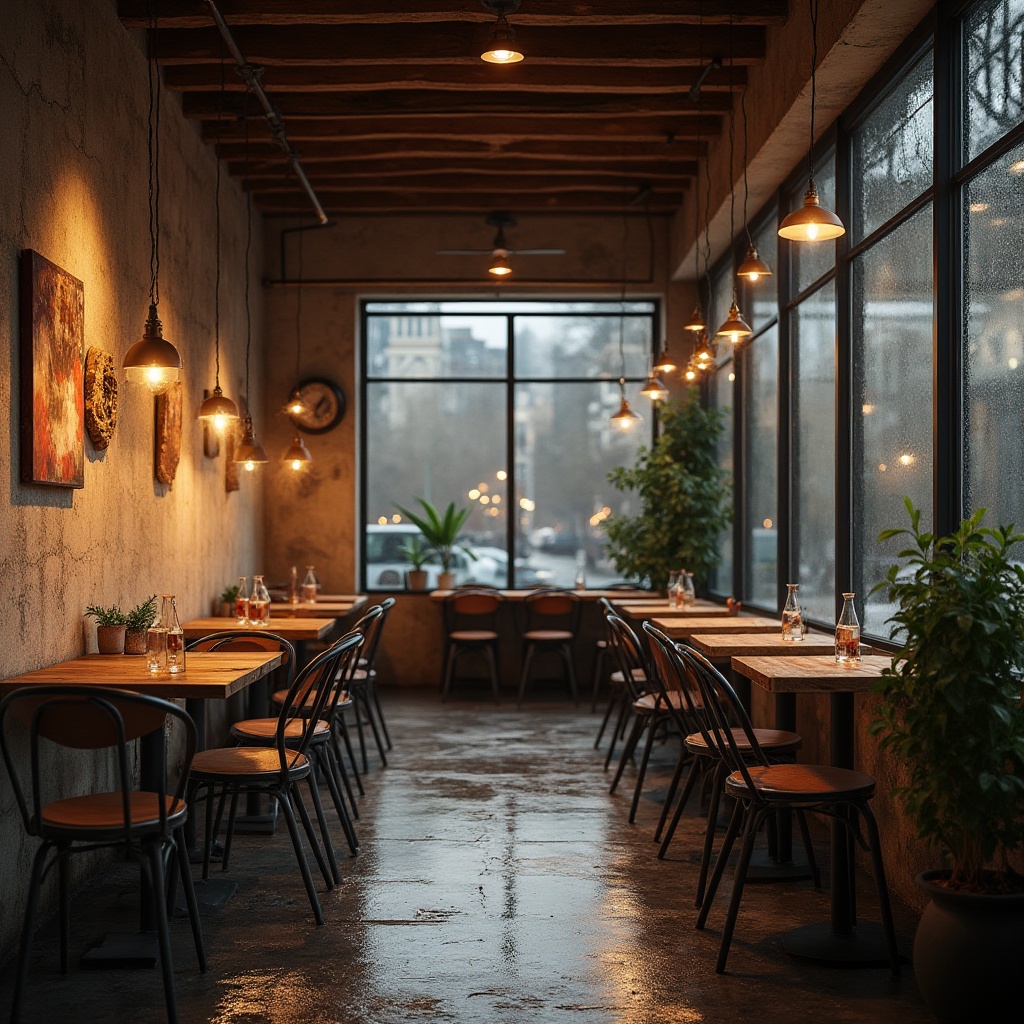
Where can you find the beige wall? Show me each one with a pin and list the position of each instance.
(73, 103)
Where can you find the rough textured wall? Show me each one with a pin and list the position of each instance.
(73, 104)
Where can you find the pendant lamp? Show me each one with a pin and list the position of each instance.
(753, 268)
(704, 355)
(217, 411)
(153, 361)
(499, 266)
(501, 49)
(297, 455)
(625, 419)
(664, 362)
(812, 222)
(654, 388)
(697, 321)
(295, 406)
(735, 328)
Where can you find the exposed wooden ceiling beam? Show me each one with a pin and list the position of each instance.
(472, 126)
(205, 106)
(194, 14)
(454, 183)
(475, 203)
(524, 77)
(459, 42)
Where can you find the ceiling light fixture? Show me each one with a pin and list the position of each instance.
(295, 406)
(753, 268)
(664, 363)
(654, 388)
(812, 222)
(153, 361)
(249, 453)
(499, 265)
(624, 419)
(218, 411)
(297, 455)
(735, 328)
(502, 46)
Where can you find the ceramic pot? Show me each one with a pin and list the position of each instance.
(446, 581)
(416, 579)
(110, 639)
(135, 641)
(967, 954)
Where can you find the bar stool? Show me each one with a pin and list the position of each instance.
(550, 619)
(471, 626)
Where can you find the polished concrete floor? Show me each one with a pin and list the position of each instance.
(497, 882)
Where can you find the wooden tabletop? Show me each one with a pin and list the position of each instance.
(722, 646)
(586, 595)
(316, 609)
(214, 675)
(681, 629)
(703, 609)
(289, 628)
(810, 674)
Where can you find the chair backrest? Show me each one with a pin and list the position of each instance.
(367, 627)
(249, 640)
(88, 718)
(373, 634)
(471, 609)
(552, 608)
(348, 661)
(677, 676)
(630, 656)
(721, 700)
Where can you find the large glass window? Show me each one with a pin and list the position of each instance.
(992, 59)
(503, 408)
(721, 397)
(810, 261)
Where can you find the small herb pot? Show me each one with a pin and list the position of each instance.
(110, 639)
(135, 641)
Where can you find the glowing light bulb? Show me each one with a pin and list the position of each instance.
(296, 464)
(753, 276)
(220, 422)
(250, 466)
(812, 232)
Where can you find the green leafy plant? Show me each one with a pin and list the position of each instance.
(229, 594)
(416, 552)
(951, 706)
(112, 616)
(441, 531)
(685, 498)
(142, 615)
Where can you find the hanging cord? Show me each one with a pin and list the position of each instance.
(732, 163)
(814, 85)
(746, 187)
(707, 190)
(216, 210)
(298, 318)
(153, 151)
(248, 242)
(622, 300)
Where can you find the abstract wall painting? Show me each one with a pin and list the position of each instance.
(52, 374)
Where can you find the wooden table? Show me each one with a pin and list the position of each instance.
(290, 628)
(837, 941)
(661, 610)
(718, 647)
(315, 609)
(207, 676)
(586, 595)
(683, 629)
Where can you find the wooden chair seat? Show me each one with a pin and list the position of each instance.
(473, 636)
(776, 740)
(810, 783)
(602, 645)
(98, 811)
(649, 701)
(280, 696)
(251, 762)
(548, 636)
(638, 675)
(265, 729)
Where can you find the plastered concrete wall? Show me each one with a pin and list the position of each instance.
(73, 104)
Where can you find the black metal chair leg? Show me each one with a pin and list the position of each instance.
(64, 869)
(595, 686)
(652, 729)
(208, 834)
(673, 788)
(300, 854)
(627, 750)
(342, 774)
(449, 671)
(307, 823)
(325, 832)
(495, 679)
(155, 863)
(525, 674)
(347, 740)
(28, 930)
(812, 861)
(359, 729)
(884, 906)
(709, 832)
(339, 804)
(749, 836)
(232, 815)
(373, 728)
(571, 668)
(612, 701)
(739, 814)
(380, 715)
(696, 772)
(187, 885)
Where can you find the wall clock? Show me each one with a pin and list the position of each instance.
(325, 405)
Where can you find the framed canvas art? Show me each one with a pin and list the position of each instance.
(52, 374)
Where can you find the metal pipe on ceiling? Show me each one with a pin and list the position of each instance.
(251, 74)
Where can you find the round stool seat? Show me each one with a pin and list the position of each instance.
(810, 783)
(548, 636)
(769, 739)
(472, 636)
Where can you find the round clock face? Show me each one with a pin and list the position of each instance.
(325, 405)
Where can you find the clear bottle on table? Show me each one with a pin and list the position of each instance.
(310, 585)
(848, 635)
(792, 617)
(580, 581)
(293, 586)
(689, 591)
(673, 579)
(156, 648)
(678, 593)
(242, 601)
(175, 635)
(259, 603)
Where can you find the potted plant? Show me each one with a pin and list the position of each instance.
(110, 628)
(137, 623)
(417, 554)
(951, 711)
(685, 498)
(442, 533)
(226, 604)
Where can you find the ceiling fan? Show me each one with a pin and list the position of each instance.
(499, 266)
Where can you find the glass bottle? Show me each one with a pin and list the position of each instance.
(156, 648)
(175, 635)
(673, 578)
(689, 591)
(580, 581)
(310, 585)
(677, 593)
(848, 635)
(242, 601)
(259, 603)
(293, 586)
(792, 617)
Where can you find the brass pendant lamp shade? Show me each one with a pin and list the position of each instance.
(704, 355)
(295, 406)
(654, 388)
(501, 49)
(250, 453)
(753, 268)
(218, 411)
(812, 222)
(297, 454)
(499, 264)
(697, 322)
(735, 328)
(153, 361)
(664, 363)
(625, 419)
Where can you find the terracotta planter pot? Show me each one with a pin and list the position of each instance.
(967, 953)
(416, 579)
(135, 641)
(110, 639)
(446, 581)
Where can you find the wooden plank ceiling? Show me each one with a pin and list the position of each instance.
(391, 110)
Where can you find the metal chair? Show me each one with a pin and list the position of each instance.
(550, 619)
(762, 789)
(146, 824)
(471, 626)
(364, 690)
